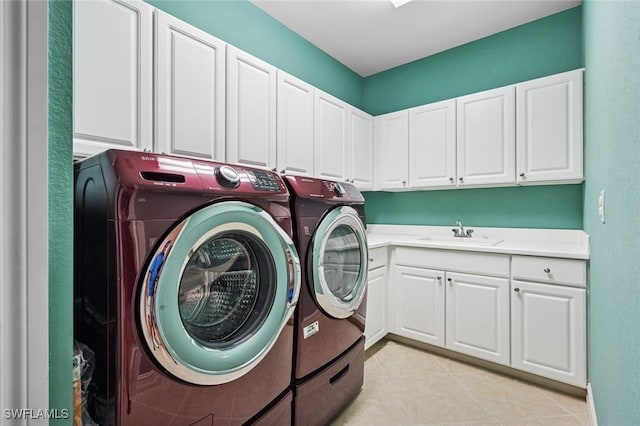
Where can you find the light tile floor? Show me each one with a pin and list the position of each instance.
(408, 386)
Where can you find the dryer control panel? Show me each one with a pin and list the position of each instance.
(324, 189)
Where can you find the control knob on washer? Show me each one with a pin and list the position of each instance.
(338, 189)
(227, 176)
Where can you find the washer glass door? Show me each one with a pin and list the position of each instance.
(339, 262)
(218, 291)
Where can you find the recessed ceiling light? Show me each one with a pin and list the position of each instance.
(398, 3)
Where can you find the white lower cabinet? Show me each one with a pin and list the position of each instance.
(376, 323)
(465, 311)
(548, 317)
(527, 312)
(418, 298)
(477, 316)
(376, 317)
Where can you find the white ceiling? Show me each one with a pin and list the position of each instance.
(370, 36)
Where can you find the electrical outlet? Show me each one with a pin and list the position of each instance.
(601, 206)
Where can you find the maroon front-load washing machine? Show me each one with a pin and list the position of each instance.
(330, 235)
(186, 279)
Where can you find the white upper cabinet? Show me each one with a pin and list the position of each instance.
(549, 129)
(392, 138)
(486, 137)
(190, 90)
(112, 75)
(331, 137)
(361, 149)
(251, 110)
(295, 126)
(432, 145)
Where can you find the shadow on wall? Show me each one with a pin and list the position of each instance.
(552, 207)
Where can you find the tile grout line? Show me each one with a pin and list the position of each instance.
(473, 398)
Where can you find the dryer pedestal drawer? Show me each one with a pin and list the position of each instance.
(321, 398)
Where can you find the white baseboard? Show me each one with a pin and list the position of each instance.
(591, 407)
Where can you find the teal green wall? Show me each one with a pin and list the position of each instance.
(527, 207)
(543, 47)
(60, 206)
(247, 27)
(546, 46)
(612, 162)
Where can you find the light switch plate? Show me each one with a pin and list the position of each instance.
(601, 206)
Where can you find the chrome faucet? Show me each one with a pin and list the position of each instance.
(460, 232)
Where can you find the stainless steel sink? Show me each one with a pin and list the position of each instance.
(475, 240)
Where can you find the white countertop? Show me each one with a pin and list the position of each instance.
(570, 244)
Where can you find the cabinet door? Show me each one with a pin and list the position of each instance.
(478, 316)
(295, 125)
(432, 145)
(112, 75)
(361, 149)
(392, 141)
(486, 137)
(251, 110)
(549, 129)
(190, 90)
(376, 322)
(418, 298)
(331, 135)
(548, 331)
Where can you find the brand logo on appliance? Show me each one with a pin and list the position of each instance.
(311, 329)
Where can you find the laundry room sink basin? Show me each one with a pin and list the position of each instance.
(477, 241)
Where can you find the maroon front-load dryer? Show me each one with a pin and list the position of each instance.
(186, 279)
(330, 235)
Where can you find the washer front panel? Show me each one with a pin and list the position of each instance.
(200, 301)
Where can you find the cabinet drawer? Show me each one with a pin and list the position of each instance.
(550, 270)
(490, 264)
(377, 257)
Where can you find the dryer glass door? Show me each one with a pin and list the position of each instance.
(218, 291)
(339, 262)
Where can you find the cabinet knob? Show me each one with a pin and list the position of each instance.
(449, 280)
(439, 278)
(547, 270)
(283, 171)
(521, 174)
(146, 150)
(461, 179)
(451, 179)
(517, 290)
(404, 182)
(371, 259)
(274, 170)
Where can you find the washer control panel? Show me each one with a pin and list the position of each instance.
(263, 180)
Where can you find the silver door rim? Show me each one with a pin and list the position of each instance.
(335, 306)
(172, 359)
